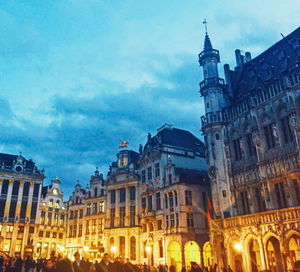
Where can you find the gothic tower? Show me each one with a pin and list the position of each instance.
(213, 90)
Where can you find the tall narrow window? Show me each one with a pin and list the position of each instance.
(143, 176)
(269, 135)
(132, 248)
(157, 171)
(189, 220)
(237, 149)
(149, 203)
(250, 145)
(259, 201)
(122, 195)
(167, 221)
(161, 249)
(172, 220)
(122, 216)
(143, 204)
(158, 201)
(280, 194)
(112, 217)
(171, 200)
(132, 193)
(132, 216)
(149, 173)
(245, 202)
(286, 129)
(113, 196)
(188, 198)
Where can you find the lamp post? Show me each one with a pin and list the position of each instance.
(148, 249)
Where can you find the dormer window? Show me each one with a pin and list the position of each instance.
(55, 191)
(51, 203)
(125, 161)
(57, 204)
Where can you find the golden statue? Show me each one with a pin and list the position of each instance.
(123, 144)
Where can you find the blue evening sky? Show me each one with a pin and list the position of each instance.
(78, 76)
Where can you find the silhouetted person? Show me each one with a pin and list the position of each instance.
(78, 265)
(64, 265)
(105, 264)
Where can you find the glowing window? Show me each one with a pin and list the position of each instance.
(125, 161)
(55, 191)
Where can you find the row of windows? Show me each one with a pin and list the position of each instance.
(51, 203)
(94, 208)
(122, 195)
(10, 228)
(271, 136)
(279, 196)
(54, 234)
(55, 219)
(92, 227)
(150, 174)
(122, 214)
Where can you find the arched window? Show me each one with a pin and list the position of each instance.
(57, 204)
(132, 248)
(95, 192)
(51, 203)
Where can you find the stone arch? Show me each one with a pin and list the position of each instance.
(274, 257)
(174, 255)
(192, 253)
(254, 254)
(281, 110)
(207, 256)
(292, 245)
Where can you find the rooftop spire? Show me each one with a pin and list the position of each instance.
(207, 42)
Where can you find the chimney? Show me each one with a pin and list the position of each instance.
(238, 57)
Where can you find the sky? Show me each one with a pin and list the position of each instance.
(76, 76)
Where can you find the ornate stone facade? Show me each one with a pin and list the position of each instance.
(251, 130)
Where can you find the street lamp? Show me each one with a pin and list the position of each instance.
(238, 247)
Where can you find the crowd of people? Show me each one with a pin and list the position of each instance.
(60, 264)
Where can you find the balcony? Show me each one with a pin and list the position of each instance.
(212, 117)
(263, 218)
(146, 214)
(208, 53)
(211, 82)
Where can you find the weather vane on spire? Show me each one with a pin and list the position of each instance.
(205, 23)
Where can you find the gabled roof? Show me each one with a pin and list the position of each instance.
(268, 65)
(7, 162)
(177, 138)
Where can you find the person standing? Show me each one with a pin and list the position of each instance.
(78, 266)
(104, 265)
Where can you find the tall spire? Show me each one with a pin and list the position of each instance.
(207, 42)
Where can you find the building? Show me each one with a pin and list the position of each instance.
(152, 205)
(173, 190)
(20, 187)
(251, 128)
(122, 229)
(86, 213)
(51, 228)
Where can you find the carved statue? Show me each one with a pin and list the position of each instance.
(275, 133)
(123, 144)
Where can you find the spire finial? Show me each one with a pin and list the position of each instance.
(205, 23)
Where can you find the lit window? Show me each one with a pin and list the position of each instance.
(57, 204)
(51, 203)
(44, 203)
(55, 191)
(125, 161)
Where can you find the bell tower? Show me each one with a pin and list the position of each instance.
(213, 90)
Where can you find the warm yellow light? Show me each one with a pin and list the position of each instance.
(53, 245)
(45, 245)
(113, 249)
(86, 248)
(148, 249)
(238, 247)
(38, 244)
(62, 248)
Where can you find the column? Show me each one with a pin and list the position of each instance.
(29, 200)
(1, 181)
(117, 209)
(108, 205)
(38, 214)
(137, 204)
(19, 202)
(8, 198)
(127, 208)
